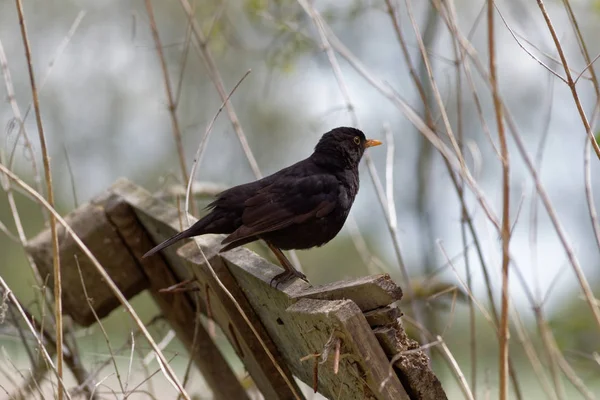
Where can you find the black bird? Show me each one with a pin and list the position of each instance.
(301, 206)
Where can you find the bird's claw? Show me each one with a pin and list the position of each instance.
(286, 276)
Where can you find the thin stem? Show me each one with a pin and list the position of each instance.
(204, 140)
(89, 300)
(50, 193)
(464, 222)
(167, 81)
(532, 355)
(10, 295)
(202, 47)
(411, 69)
(583, 48)
(434, 86)
(589, 192)
(19, 121)
(456, 369)
(552, 353)
(570, 81)
(505, 232)
(562, 235)
(455, 161)
(184, 58)
(389, 174)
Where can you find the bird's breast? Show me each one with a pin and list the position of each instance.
(348, 190)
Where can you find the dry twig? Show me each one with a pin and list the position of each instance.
(169, 92)
(571, 83)
(505, 231)
(50, 193)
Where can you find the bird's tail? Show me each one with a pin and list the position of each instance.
(169, 242)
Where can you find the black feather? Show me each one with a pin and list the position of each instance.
(299, 207)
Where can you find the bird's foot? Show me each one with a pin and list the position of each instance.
(286, 276)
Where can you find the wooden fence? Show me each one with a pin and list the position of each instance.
(338, 338)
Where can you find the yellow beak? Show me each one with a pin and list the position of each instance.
(372, 143)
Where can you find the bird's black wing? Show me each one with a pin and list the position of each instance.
(287, 201)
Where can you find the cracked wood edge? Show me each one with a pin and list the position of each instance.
(302, 326)
(368, 292)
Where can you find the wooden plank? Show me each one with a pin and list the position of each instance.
(222, 310)
(383, 316)
(178, 308)
(301, 327)
(360, 350)
(102, 238)
(412, 364)
(368, 292)
(160, 220)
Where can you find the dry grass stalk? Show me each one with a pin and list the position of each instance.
(50, 193)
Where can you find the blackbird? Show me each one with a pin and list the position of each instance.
(302, 206)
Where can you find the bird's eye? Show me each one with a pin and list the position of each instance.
(357, 140)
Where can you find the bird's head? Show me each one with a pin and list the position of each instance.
(343, 147)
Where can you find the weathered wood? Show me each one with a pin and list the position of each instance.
(372, 293)
(302, 326)
(383, 316)
(161, 221)
(178, 308)
(411, 363)
(295, 320)
(222, 310)
(102, 238)
(360, 351)
(368, 292)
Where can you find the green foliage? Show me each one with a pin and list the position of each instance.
(287, 24)
(574, 329)
(286, 56)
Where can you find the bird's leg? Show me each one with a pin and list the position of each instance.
(289, 272)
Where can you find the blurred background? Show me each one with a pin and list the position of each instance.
(106, 115)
